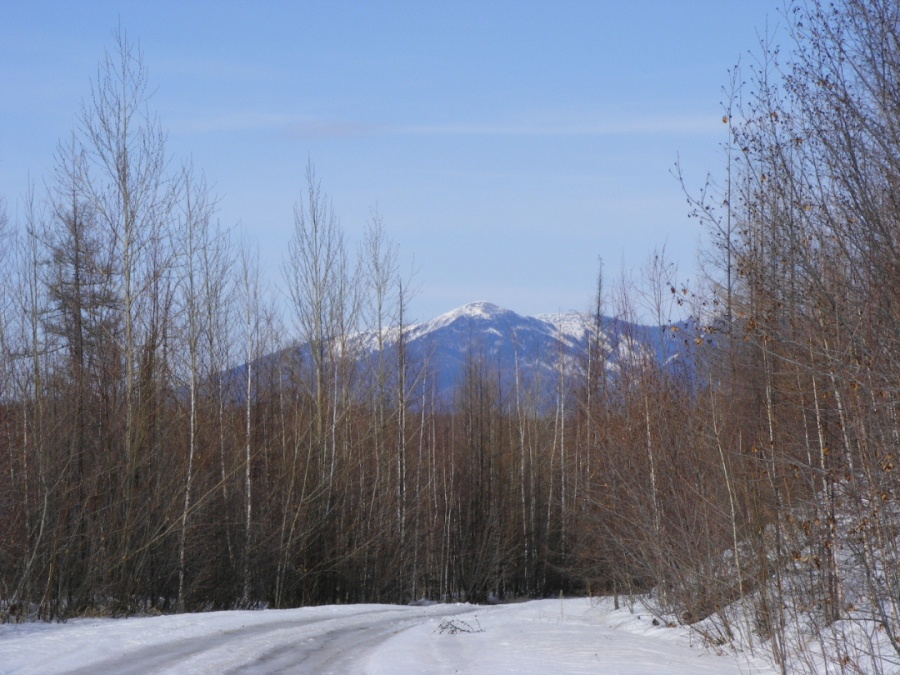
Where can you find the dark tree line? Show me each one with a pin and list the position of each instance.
(145, 468)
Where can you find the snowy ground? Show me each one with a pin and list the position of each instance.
(540, 637)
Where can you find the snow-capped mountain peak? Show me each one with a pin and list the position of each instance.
(474, 311)
(512, 349)
(530, 349)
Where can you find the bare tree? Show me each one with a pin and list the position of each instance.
(252, 301)
(126, 185)
(196, 212)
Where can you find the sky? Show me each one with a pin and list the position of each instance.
(507, 145)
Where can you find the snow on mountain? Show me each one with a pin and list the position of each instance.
(520, 353)
(532, 351)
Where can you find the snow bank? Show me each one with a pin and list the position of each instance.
(571, 636)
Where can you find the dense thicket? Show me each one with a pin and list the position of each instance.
(803, 397)
(145, 468)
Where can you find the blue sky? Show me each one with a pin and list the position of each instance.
(506, 145)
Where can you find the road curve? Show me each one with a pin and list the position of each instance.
(296, 646)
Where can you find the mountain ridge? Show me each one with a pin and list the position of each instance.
(530, 354)
(530, 351)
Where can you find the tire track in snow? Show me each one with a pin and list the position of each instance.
(298, 646)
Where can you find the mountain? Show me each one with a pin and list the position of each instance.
(528, 354)
(536, 348)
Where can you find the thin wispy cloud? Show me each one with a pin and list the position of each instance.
(321, 129)
(648, 125)
(288, 125)
(299, 128)
(237, 122)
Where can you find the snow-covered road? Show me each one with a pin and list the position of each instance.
(539, 637)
